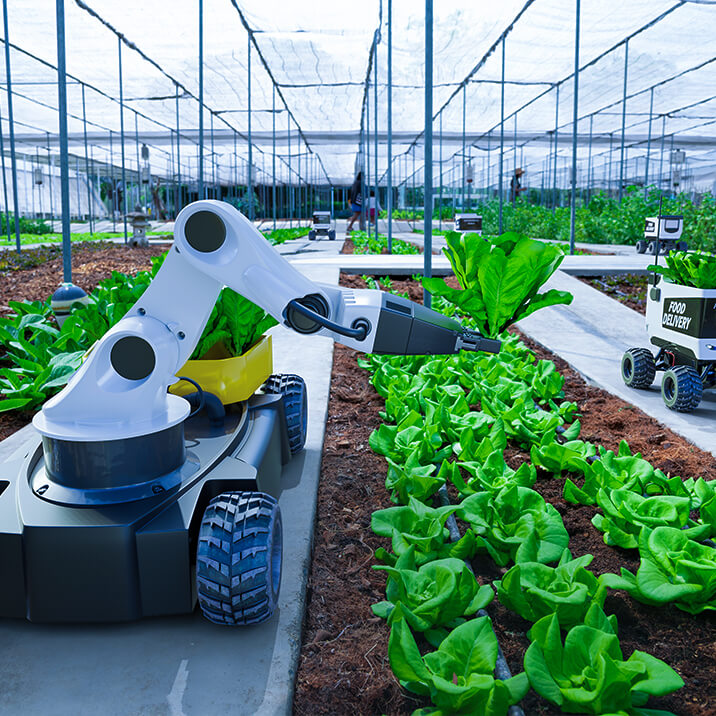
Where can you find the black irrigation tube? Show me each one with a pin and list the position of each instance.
(502, 670)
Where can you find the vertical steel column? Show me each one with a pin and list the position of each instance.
(178, 206)
(123, 208)
(87, 167)
(514, 158)
(589, 160)
(556, 140)
(115, 203)
(502, 133)
(389, 202)
(139, 166)
(648, 143)
(273, 154)
(462, 193)
(487, 192)
(64, 156)
(428, 161)
(366, 178)
(50, 167)
(4, 178)
(201, 100)
(213, 156)
(289, 187)
(11, 122)
(77, 185)
(375, 128)
(624, 98)
(609, 184)
(575, 121)
(440, 170)
(661, 157)
(250, 186)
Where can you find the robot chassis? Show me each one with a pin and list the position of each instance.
(322, 226)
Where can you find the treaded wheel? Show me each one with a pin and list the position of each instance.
(638, 368)
(332, 235)
(682, 388)
(682, 246)
(295, 401)
(311, 235)
(641, 246)
(238, 558)
(651, 248)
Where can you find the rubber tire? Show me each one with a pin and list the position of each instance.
(238, 558)
(638, 368)
(332, 235)
(641, 246)
(295, 403)
(651, 248)
(682, 246)
(311, 235)
(682, 388)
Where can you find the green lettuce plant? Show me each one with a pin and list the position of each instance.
(491, 474)
(534, 590)
(438, 594)
(689, 268)
(673, 570)
(626, 512)
(556, 458)
(423, 527)
(499, 278)
(587, 674)
(458, 677)
(515, 524)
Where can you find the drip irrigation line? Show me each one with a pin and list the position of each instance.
(502, 670)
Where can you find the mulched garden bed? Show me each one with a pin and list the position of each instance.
(344, 665)
(629, 289)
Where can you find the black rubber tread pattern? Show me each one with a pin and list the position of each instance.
(651, 248)
(682, 246)
(311, 235)
(641, 246)
(688, 386)
(295, 401)
(332, 235)
(643, 368)
(234, 576)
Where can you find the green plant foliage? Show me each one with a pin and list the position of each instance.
(626, 512)
(458, 676)
(424, 528)
(280, 236)
(515, 524)
(534, 590)
(438, 594)
(674, 569)
(491, 474)
(27, 226)
(587, 674)
(499, 278)
(689, 268)
(557, 458)
(378, 244)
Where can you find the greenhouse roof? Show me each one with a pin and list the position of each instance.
(313, 67)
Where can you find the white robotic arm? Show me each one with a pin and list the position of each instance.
(120, 391)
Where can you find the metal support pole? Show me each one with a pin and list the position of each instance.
(123, 208)
(64, 156)
(366, 178)
(589, 160)
(375, 129)
(440, 190)
(389, 202)
(502, 133)
(624, 98)
(115, 203)
(514, 162)
(609, 183)
(50, 167)
(4, 179)
(661, 157)
(250, 182)
(464, 92)
(11, 121)
(289, 187)
(648, 144)
(575, 121)
(556, 140)
(273, 155)
(428, 162)
(139, 166)
(201, 100)
(87, 166)
(213, 156)
(178, 206)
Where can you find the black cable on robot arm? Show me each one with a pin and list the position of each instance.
(359, 333)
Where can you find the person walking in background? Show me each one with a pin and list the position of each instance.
(374, 208)
(356, 201)
(516, 185)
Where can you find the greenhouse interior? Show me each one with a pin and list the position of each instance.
(384, 333)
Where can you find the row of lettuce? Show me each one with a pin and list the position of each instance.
(432, 435)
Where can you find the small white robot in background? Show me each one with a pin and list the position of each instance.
(322, 226)
(468, 223)
(661, 235)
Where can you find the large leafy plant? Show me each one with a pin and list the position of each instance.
(689, 268)
(499, 278)
(515, 524)
(587, 674)
(534, 590)
(458, 677)
(673, 570)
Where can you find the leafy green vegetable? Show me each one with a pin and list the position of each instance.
(557, 458)
(458, 676)
(491, 474)
(438, 594)
(673, 569)
(689, 268)
(422, 526)
(515, 524)
(626, 512)
(499, 278)
(588, 674)
(534, 590)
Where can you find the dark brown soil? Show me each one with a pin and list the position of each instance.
(629, 289)
(90, 265)
(344, 667)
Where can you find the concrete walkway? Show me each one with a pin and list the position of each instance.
(592, 334)
(185, 666)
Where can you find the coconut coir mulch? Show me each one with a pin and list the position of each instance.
(344, 665)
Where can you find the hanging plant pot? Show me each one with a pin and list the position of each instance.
(231, 379)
